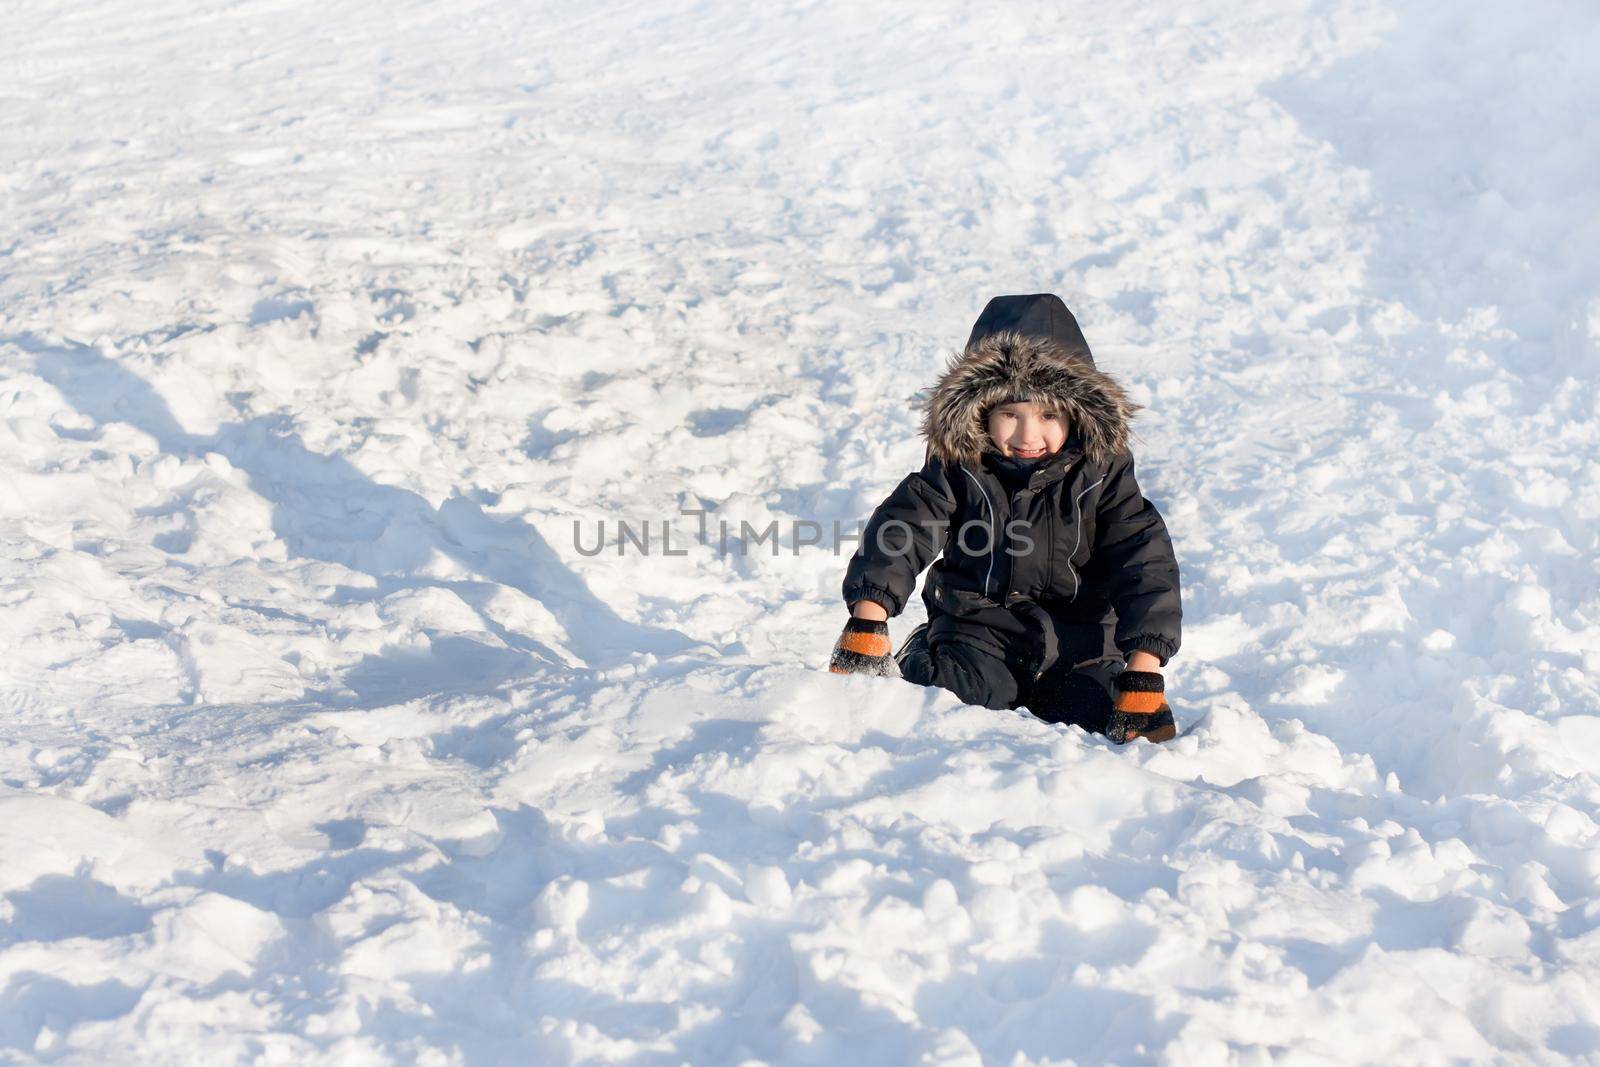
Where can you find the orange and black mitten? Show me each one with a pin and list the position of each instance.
(1140, 709)
(863, 648)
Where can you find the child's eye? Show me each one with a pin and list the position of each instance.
(1051, 415)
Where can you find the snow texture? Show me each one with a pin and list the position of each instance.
(322, 325)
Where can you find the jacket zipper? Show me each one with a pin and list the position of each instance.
(1077, 518)
(993, 536)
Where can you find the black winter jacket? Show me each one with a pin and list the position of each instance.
(1078, 544)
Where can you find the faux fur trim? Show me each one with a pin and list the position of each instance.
(1002, 366)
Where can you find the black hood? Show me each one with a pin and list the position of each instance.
(1040, 315)
(1025, 348)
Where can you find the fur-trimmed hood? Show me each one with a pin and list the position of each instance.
(1025, 348)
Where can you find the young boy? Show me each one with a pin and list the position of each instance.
(1054, 566)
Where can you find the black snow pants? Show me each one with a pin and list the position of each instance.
(1077, 690)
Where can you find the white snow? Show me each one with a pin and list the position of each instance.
(323, 739)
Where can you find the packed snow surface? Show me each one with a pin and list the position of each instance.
(330, 333)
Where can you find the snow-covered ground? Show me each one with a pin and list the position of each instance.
(322, 325)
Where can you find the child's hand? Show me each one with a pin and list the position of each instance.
(863, 648)
(1141, 708)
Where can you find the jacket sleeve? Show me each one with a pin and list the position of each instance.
(1133, 556)
(903, 536)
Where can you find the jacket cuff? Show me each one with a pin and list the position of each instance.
(878, 595)
(1159, 647)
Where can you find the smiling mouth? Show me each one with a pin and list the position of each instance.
(1027, 453)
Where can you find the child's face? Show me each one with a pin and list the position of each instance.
(1027, 430)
